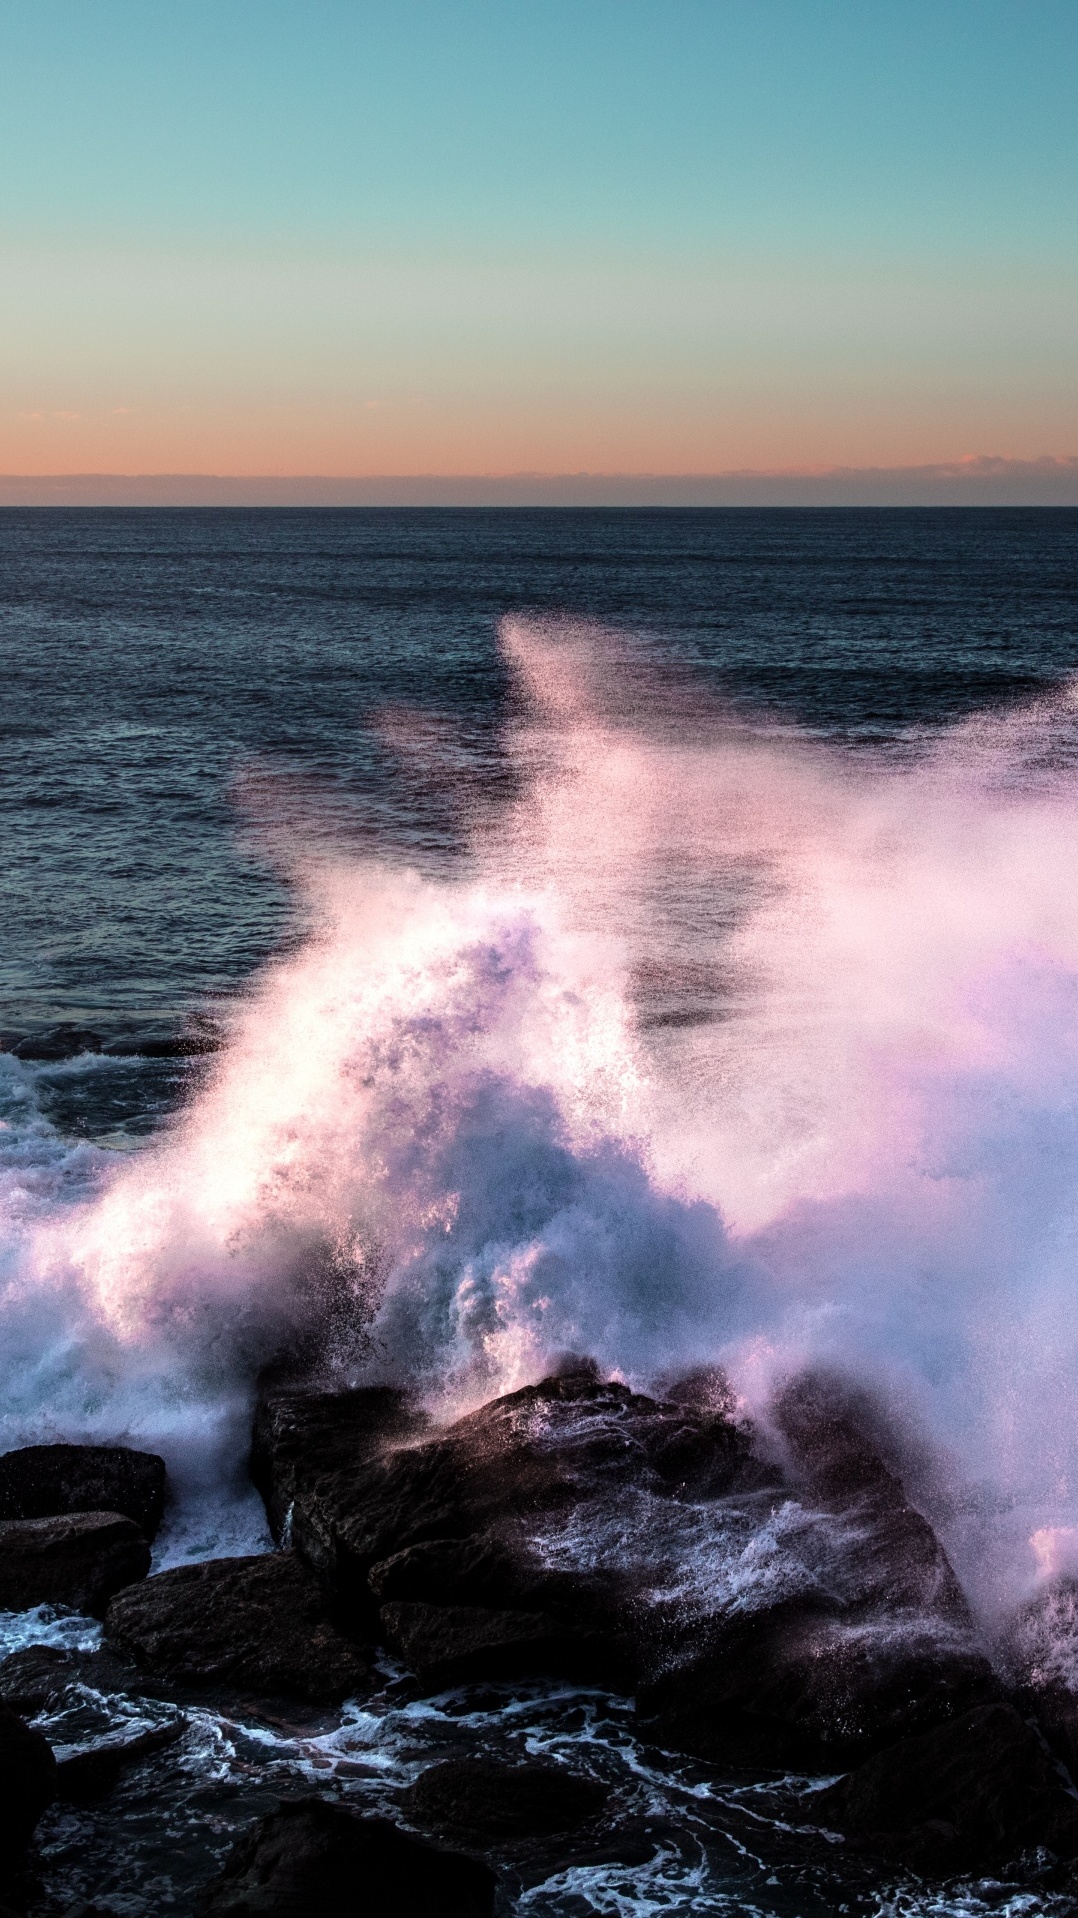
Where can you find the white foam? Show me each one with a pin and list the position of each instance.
(454, 1131)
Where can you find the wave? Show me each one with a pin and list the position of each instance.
(720, 1046)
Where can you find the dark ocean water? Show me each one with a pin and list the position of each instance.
(173, 677)
(195, 701)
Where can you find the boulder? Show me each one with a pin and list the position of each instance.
(806, 1687)
(30, 1679)
(890, 1553)
(313, 1857)
(43, 1481)
(877, 1643)
(480, 1800)
(1039, 1653)
(261, 1624)
(578, 1520)
(455, 1644)
(492, 1474)
(973, 1793)
(65, 1041)
(27, 1783)
(79, 1560)
(301, 1437)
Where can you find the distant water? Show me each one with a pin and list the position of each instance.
(651, 934)
(171, 677)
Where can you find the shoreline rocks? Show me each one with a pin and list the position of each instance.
(47, 1481)
(972, 1793)
(78, 1560)
(259, 1624)
(770, 1615)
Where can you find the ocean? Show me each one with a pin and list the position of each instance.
(646, 934)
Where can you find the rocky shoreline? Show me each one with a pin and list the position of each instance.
(781, 1616)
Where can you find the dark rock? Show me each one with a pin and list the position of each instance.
(480, 1570)
(489, 1801)
(43, 1481)
(454, 1644)
(536, 1451)
(1039, 1653)
(301, 1437)
(312, 1857)
(31, 1678)
(972, 1793)
(261, 1624)
(163, 1042)
(78, 1560)
(27, 1782)
(64, 1041)
(879, 1646)
(891, 1553)
(791, 1686)
(90, 1771)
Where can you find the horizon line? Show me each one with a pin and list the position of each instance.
(981, 479)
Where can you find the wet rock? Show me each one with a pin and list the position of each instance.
(163, 1042)
(90, 1771)
(313, 1857)
(976, 1792)
(261, 1624)
(65, 1041)
(303, 1438)
(44, 1481)
(1039, 1653)
(491, 1474)
(78, 1560)
(455, 1644)
(480, 1798)
(27, 1783)
(890, 1552)
(876, 1646)
(794, 1686)
(31, 1678)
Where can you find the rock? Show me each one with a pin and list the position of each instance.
(877, 1646)
(812, 1689)
(27, 1782)
(968, 1794)
(313, 1857)
(65, 1041)
(301, 1437)
(480, 1798)
(78, 1560)
(163, 1042)
(43, 1481)
(1039, 1653)
(533, 1452)
(88, 1772)
(445, 1571)
(31, 1678)
(261, 1624)
(455, 1644)
(890, 1554)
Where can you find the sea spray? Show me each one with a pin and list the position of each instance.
(720, 1046)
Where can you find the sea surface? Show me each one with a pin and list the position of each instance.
(537, 886)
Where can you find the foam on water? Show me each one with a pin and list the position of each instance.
(721, 1046)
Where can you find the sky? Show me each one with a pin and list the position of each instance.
(324, 237)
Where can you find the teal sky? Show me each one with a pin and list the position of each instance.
(430, 237)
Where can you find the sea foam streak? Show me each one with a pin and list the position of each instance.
(721, 1046)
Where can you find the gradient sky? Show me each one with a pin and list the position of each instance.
(304, 236)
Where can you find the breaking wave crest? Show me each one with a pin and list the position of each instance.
(721, 1046)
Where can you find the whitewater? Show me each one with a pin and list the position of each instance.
(718, 1046)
